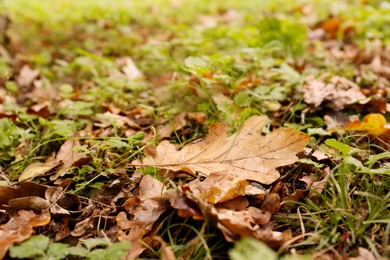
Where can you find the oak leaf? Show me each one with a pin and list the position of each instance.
(247, 153)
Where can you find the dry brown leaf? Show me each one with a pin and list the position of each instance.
(198, 117)
(316, 186)
(237, 204)
(145, 211)
(218, 187)
(19, 228)
(246, 153)
(69, 157)
(38, 197)
(244, 223)
(185, 207)
(165, 250)
(271, 203)
(339, 92)
(25, 189)
(179, 122)
(364, 254)
(35, 203)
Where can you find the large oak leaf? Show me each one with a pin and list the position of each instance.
(246, 153)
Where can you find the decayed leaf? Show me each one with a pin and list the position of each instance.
(20, 228)
(246, 153)
(339, 92)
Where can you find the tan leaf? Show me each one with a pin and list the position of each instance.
(69, 157)
(179, 122)
(27, 76)
(339, 92)
(246, 153)
(19, 228)
(244, 223)
(130, 69)
(218, 187)
(38, 169)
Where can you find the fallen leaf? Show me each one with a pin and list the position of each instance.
(38, 169)
(19, 228)
(26, 189)
(69, 157)
(81, 227)
(185, 207)
(373, 124)
(315, 185)
(364, 254)
(108, 119)
(35, 203)
(38, 197)
(246, 223)
(338, 93)
(166, 130)
(218, 187)
(131, 70)
(198, 117)
(145, 212)
(166, 251)
(26, 76)
(331, 26)
(246, 153)
(271, 203)
(237, 204)
(42, 109)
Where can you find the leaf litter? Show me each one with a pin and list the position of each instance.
(231, 180)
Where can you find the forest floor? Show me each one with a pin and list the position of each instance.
(194, 129)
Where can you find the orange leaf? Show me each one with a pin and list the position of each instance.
(20, 228)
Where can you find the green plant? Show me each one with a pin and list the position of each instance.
(40, 247)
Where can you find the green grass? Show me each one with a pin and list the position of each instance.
(194, 59)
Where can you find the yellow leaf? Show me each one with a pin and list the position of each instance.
(373, 124)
